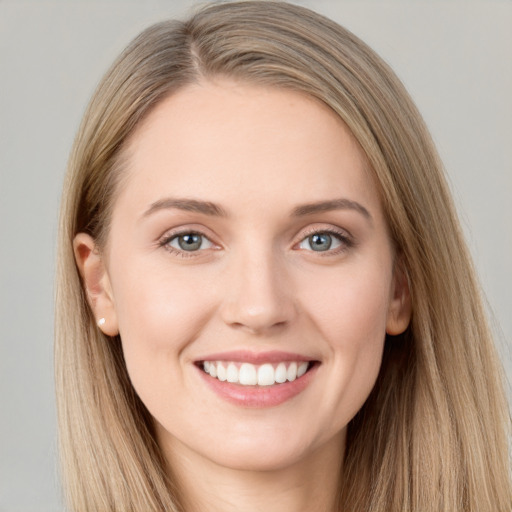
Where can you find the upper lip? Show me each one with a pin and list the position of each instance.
(246, 356)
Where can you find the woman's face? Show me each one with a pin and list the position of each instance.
(248, 240)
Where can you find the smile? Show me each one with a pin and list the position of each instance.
(257, 380)
(247, 374)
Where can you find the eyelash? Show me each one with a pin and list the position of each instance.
(168, 238)
(345, 240)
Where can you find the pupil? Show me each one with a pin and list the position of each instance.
(189, 242)
(320, 242)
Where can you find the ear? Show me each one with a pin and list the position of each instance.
(96, 282)
(400, 306)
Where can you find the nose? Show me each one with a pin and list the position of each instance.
(258, 298)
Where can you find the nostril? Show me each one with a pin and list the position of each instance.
(259, 327)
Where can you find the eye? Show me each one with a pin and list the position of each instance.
(188, 242)
(322, 241)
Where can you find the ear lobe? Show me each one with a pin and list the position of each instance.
(96, 282)
(400, 307)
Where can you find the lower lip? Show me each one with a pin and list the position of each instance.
(258, 396)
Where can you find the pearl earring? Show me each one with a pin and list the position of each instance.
(101, 322)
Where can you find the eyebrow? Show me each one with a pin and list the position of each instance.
(209, 208)
(189, 205)
(333, 204)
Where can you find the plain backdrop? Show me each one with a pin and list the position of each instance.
(454, 57)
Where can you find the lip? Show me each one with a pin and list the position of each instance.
(246, 356)
(257, 396)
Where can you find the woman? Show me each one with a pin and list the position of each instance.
(264, 298)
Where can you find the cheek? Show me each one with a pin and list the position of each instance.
(349, 309)
(350, 314)
(159, 313)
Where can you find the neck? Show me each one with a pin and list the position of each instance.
(308, 484)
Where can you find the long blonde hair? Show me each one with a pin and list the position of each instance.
(433, 435)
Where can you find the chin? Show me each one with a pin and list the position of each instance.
(258, 458)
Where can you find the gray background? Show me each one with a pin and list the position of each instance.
(454, 57)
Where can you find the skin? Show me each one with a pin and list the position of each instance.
(255, 284)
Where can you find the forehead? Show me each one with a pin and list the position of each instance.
(226, 141)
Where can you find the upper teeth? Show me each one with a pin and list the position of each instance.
(249, 374)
